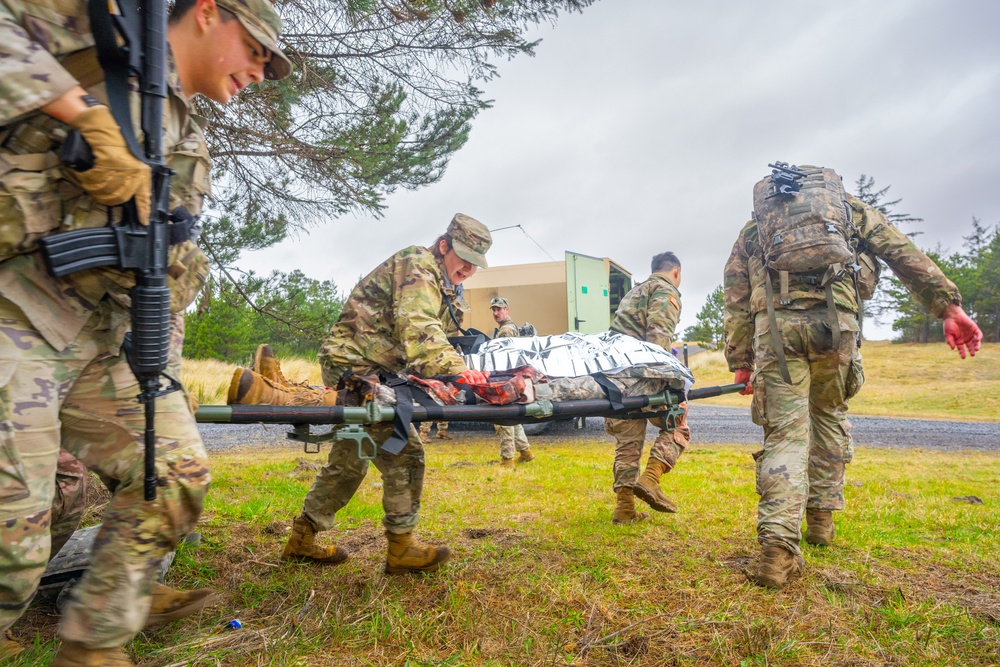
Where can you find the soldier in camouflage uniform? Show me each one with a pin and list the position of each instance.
(807, 436)
(512, 438)
(397, 319)
(64, 381)
(649, 312)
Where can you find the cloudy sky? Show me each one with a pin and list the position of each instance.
(641, 125)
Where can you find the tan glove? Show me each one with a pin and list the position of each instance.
(117, 175)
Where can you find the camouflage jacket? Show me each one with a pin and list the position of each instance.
(396, 319)
(46, 49)
(745, 276)
(507, 329)
(650, 311)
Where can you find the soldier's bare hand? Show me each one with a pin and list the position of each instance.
(961, 332)
(743, 377)
(117, 176)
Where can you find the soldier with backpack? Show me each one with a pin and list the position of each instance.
(512, 438)
(794, 285)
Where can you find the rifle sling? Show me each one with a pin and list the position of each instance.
(115, 72)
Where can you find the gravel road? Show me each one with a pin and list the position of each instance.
(709, 424)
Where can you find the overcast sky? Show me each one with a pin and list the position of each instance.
(641, 126)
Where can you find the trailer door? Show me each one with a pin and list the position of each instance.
(587, 294)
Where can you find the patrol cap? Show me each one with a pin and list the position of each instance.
(264, 25)
(470, 239)
(499, 302)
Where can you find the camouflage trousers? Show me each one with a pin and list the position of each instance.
(630, 436)
(402, 481)
(425, 428)
(807, 437)
(83, 399)
(512, 439)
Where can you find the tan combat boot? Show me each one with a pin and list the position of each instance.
(506, 463)
(777, 567)
(442, 434)
(75, 654)
(170, 604)
(9, 647)
(625, 510)
(648, 490)
(265, 363)
(250, 388)
(820, 529)
(525, 455)
(302, 545)
(407, 554)
(425, 431)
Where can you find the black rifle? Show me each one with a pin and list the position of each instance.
(131, 43)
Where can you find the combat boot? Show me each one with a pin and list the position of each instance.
(75, 654)
(425, 433)
(9, 647)
(525, 455)
(625, 509)
(648, 490)
(407, 554)
(250, 388)
(820, 529)
(265, 363)
(170, 604)
(302, 545)
(777, 566)
(443, 434)
(506, 463)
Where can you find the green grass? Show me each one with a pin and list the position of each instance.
(540, 576)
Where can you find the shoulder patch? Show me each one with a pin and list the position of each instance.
(675, 302)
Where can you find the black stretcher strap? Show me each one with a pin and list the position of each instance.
(611, 390)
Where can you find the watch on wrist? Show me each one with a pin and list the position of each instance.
(90, 100)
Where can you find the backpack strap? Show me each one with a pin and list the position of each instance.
(779, 348)
(834, 272)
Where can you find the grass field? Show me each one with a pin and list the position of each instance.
(540, 576)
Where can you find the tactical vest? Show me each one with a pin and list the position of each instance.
(38, 196)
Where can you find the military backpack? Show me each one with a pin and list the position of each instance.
(806, 230)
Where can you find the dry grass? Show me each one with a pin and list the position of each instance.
(208, 379)
(902, 380)
(540, 576)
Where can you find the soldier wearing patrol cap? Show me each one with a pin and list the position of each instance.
(64, 380)
(649, 312)
(512, 438)
(397, 319)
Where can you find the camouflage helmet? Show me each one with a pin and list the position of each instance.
(260, 19)
(499, 302)
(470, 239)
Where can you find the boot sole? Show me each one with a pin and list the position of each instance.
(643, 494)
(309, 559)
(194, 606)
(433, 567)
